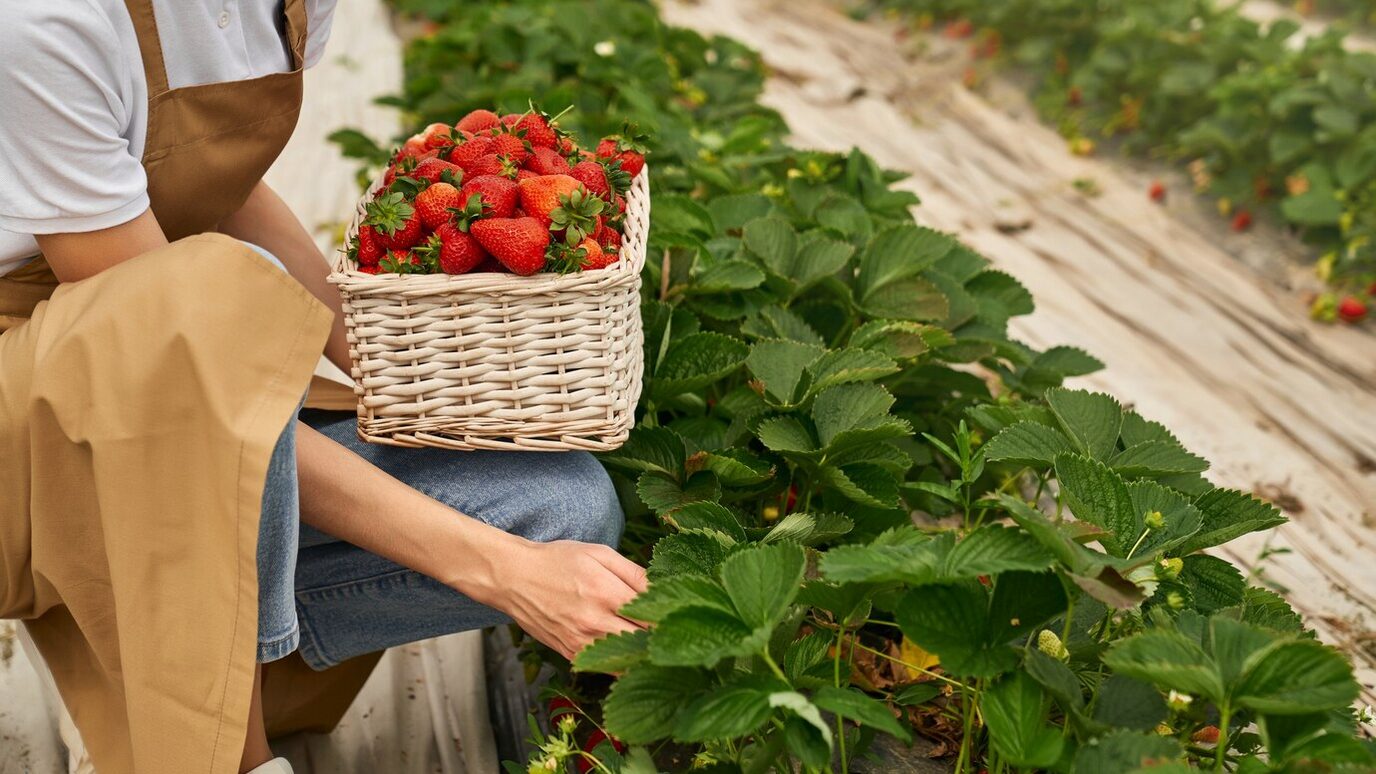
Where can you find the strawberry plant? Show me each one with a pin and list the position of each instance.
(1265, 123)
(866, 509)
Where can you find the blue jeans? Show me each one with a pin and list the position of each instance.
(344, 601)
(335, 601)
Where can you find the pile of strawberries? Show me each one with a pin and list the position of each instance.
(511, 193)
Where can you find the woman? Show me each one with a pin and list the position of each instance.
(153, 352)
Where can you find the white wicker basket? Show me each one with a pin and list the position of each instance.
(548, 362)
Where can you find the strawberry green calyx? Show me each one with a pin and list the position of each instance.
(390, 212)
(618, 178)
(473, 209)
(565, 258)
(428, 254)
(576, 216)
(509, 167)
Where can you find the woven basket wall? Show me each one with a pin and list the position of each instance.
(548, 362)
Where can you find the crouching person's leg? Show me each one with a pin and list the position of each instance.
(350, 601)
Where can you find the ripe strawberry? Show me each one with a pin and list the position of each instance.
(370, 269)
(598, 737)
(595, 257)
(594, 176)
(1352, 309)
(396, 221)
(459, 252)
(1157, 191)
(498, 194)
(492, 164)
(367, 250)
(437, 136)
(524, 174)
(510, 146)
(547, 161)
(402, 262)
(490, 266)
(630, 153)
(479, 120)
(1206, 735)
(519, 243)
(541, 196)
(412, 148)
(608, 237)
(467, 154)
(433, 171)
(511, 119)
(561, 705)
(434, 203)
(1242, 221)
(537, 130)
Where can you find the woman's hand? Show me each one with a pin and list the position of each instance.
(565, 594)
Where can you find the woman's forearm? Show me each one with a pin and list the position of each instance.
(267, 221)
(347, 497)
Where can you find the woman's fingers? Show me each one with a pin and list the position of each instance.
(629, 572)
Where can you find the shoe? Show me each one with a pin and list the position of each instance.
(274, 766)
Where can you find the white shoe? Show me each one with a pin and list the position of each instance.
(274, 766)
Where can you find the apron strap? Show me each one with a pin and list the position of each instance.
(150, 45)
(296, 31)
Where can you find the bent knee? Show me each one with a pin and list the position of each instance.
(579, 501)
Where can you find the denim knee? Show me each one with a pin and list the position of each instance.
(573, 499)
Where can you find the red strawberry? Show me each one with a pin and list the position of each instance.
(1352, 309)
(511, 119)
(1157, 191)
(510, 146)
(541, 196)
(367, 249)
(1242, 221)
(434, 202)
(537, 131)
(596, 257)
(594, 176)
(459, 252)
(630, 153)
(561, 705)
(1206, 735)
(438, 136)
(525, 174)
(411, 148)
(547, 161)
(370, 269)
(396, 221)
(499, 195)
(402, 262)
(608, 237)
(490, 266)
(478, 121)
(492, 164)
(519, 243)
(596, 738)
(433, 170)
(467, 154)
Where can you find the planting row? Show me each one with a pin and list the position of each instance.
(865, 508)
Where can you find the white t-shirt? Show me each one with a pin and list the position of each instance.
(74, 103)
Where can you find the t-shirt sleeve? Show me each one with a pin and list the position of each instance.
(319, 21)
(65, 162)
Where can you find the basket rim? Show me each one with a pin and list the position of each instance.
(349, 279)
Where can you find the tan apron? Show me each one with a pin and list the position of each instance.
(138, 412)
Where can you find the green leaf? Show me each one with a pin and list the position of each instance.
(899, 253)
(999, 296)
(1124, 752)
(773, 240)
(670, 594)
(1137, 430)
(1091, 419)
(912, 563)
(776, 322)
(732, 211)
(1156, 458)
(1015, 711)
(854, 705)
(700, 636)
(735, 709)
(695, 361)
(682, 215)
(734, 274)
(786, 434)
(806, 711)
(995, 549)
(1213, 583)
(1098, 495)
(1180, 517)
(1027, 443)
(1056, 678)
(843, 366)
(1167, 659)
(900, 339)
(1228, 514)
(780, 364)
(1127, 703)
(645, 703)
(707, 515)
(763, 580)
(655, 449)
(912, 298)
(819, 257)
(1296, 677)
(686, 553)
(850, 407)
(864, 483)
(737, 467)
(662, 494)
(614, 653)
